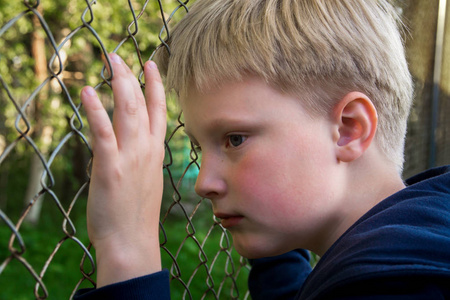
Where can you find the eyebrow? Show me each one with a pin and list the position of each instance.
(223, 122)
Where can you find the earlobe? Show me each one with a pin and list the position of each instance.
(356, 119)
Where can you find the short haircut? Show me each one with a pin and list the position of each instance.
(317, 50)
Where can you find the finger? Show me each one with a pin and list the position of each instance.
(104, 141)
(126, 106)
(136, 86)
(143, 117)
(156, 100)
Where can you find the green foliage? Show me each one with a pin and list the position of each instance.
(63, 272)
(81, 54)
(40, 240)
(49, 111)
(216, 261)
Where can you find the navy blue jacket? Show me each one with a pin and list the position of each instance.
(400, 249)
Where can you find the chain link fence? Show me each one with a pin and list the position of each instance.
(48, 51)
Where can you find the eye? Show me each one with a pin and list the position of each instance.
(236, 140)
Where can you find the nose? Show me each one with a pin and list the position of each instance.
(210, 180)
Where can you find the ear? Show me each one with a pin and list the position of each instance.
(356, 119)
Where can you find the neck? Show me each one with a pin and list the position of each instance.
(365, 183)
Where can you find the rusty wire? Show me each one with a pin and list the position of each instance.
(212, 259)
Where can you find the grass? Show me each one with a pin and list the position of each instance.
(63, 272)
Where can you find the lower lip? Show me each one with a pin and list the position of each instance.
(230, 222)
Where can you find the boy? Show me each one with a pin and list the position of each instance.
(300, 110)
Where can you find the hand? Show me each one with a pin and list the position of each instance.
(127, 176)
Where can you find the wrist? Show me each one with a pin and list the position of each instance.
(123, 260)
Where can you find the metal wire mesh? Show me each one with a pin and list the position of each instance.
(194, 246)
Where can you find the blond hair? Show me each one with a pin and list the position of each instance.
(318, 50)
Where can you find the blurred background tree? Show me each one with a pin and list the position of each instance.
(46, 57)
(26, 51)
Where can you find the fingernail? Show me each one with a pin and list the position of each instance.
(152, 65)
(89, 91)
(115, 58)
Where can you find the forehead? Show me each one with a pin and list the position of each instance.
(238, 102)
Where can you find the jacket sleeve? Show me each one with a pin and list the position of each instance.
(149, 287)
(279, 277)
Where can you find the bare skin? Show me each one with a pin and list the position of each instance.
(280, 178)
(123, 208)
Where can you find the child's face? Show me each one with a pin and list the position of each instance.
(267, 167)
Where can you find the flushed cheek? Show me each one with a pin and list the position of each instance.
(266, 229)
(281, 191)
(259, 188)
(277, 214)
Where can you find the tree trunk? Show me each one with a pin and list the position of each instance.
(36, 166)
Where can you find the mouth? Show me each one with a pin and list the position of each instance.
(227, 220)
